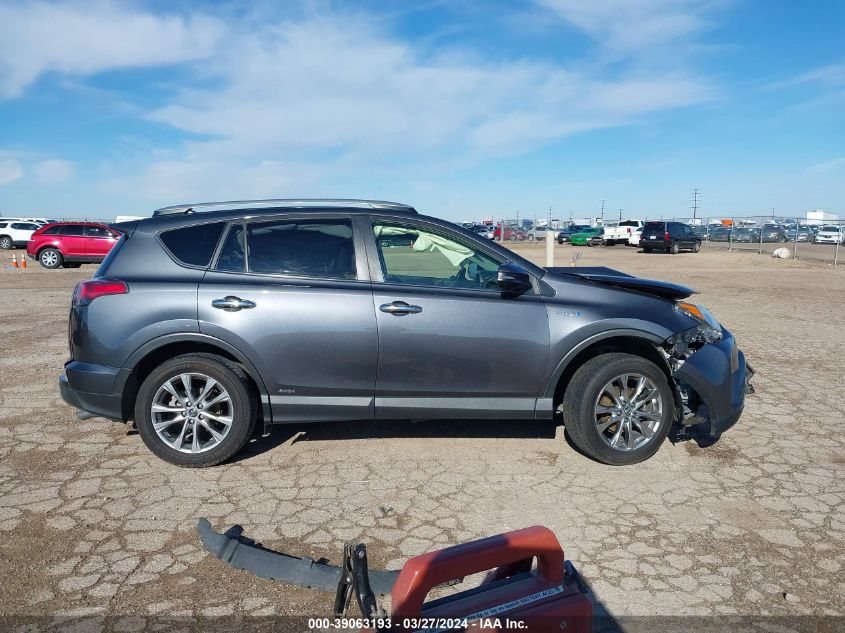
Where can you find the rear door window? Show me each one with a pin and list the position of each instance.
(317, 248)
(193, 245)
(53, 230)
(77, 230)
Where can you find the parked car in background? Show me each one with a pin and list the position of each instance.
(744, 234)
(772, 233)
(620, 232)
(485, 231)
(202, 324)
(16, 233)
(800, 233)
(701, 231)
(670, 237)
(512, 233)
(540, 232)
(69, 244)
(567, 232)
(719, 233)
(591, 236)
(830, 234)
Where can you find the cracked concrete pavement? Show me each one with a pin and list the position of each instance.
(93, 524)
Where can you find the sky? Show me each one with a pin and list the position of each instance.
(466, 109)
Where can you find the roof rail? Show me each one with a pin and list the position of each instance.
(234, 205)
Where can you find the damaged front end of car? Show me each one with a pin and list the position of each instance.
(709, 370)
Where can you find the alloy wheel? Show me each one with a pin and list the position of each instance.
(628, 411)
(49, 258)
(192, 413)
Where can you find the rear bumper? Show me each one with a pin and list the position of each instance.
(92, 388)
(720, 376)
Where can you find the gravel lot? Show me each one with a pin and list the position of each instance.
(92, 524)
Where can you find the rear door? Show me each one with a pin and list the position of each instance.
(293, 294)
(72, 242)
(450, 346)
(98, 241)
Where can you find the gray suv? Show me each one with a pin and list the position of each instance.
(207, 319)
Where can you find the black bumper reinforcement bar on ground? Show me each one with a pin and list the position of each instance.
(241, 552)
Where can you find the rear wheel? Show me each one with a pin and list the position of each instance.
(618, 408)
(196, 410)
(50, 258)
(5, 242)
(696, 247)
(674, 248)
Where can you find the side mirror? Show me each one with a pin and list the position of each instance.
(514, 279)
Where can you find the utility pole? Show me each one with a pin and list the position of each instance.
(550, 216)
(603, 202)
(620, 215)
(694, 203)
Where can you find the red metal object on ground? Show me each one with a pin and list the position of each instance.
(513, 597)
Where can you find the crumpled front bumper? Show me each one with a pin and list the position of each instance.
(721, 378)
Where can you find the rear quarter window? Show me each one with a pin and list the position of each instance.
(193, 245)
(52, 230)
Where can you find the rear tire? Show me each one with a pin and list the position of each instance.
(50, 258)
(6, 242)
(696, 247)
(241, 409)
(585, 397)
(674, 249)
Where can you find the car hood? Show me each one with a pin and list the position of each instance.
(615, 278)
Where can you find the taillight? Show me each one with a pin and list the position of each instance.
(666, 237)
(629, 230)
(86, 291)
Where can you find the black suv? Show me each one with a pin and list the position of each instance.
(207, 319)
(670, 237)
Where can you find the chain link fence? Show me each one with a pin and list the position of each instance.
(823, 241)
(803, 239)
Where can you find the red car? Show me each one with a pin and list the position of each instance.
(70, 244)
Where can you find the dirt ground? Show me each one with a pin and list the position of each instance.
(91, 524)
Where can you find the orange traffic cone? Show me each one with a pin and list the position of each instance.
(14, 261)
(23, 261)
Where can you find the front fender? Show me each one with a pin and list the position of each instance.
(575, 342)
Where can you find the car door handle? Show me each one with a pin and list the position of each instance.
(232, 304)
(399, 308)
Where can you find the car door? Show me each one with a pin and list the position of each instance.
(292, 293)
(450, 345)
(22, 231)
(72, 243)
(98, 241)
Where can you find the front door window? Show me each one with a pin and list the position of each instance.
(415, 255)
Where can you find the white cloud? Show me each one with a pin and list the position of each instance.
(83, 38)
(54, 171)
(196, 179)
(627, 26)
(827, 167)
(280, 103)
(332, 89)
(10, 171)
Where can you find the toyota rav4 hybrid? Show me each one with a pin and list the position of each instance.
(207, 319)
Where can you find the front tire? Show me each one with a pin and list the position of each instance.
(6, 242)
(618, 408)
(696, 247)
(50, 258)
(196, 410)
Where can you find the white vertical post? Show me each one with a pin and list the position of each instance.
(550, 247)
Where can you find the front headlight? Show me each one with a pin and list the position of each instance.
(707, 330)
